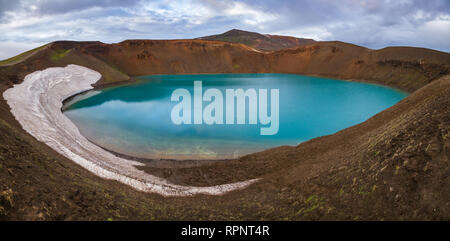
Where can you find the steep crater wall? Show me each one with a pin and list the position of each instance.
(402, 67)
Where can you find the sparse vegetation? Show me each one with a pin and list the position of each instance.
(59, 54)
(21, 56)
(391, 167)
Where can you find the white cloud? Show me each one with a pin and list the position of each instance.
(370, 23)
(250, 15)
(316, 33)
(437, 31)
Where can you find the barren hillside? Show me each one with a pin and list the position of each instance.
(393, 166)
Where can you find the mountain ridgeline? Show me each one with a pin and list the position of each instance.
(406, 68)
(262, 42)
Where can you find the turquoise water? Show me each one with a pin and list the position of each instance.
(135, 119)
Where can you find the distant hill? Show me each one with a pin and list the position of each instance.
(262, 42)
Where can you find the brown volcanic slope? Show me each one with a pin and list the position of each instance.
(402, 67)
(263, 42)
(393, 166)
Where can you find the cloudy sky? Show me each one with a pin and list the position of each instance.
(25, 24)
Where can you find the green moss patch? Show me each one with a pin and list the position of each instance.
(59, 54)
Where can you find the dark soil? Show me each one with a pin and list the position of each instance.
(395, 166)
